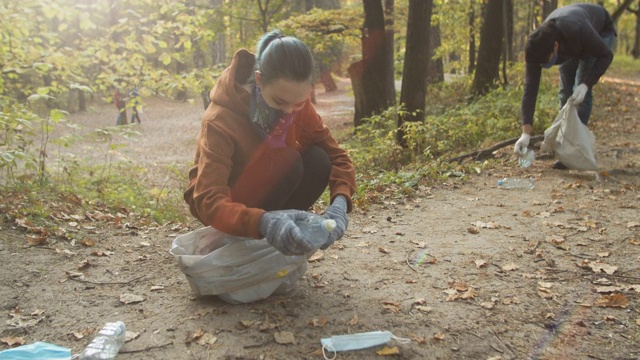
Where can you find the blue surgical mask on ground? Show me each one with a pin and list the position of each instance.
(551, 62)
(358, 341)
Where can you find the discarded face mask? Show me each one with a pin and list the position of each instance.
(358, 341)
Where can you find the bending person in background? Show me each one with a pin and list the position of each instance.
(579, 39)
(262, 147)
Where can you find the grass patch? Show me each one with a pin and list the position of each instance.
(455, 123)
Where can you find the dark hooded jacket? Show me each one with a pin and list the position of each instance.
(580, 29)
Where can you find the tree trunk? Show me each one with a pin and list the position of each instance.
(509, 31)
(491, 40)
(327, 81)
(472, 39)
(507, 21)
(389, 34)
(218, 48)
(370, 76)
(546, 7)
(82, 100)
(617, 13)
(635, 52)
(414, 73)
(435, 67)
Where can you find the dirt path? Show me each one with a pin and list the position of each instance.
(465, 270)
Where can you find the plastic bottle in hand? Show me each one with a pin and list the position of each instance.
(107, 343)
(316, 229)
(516, 183)
(527, 158)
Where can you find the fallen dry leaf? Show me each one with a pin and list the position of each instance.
(391, 306)
(510, 267)
(487, 305)
(130, 335)
(131, 298)
(206, 339)
(614, 300)
(484, 225)
(317, 256)
(545, 294)
(480, 263)
(12, 340)
(245, 324)
(598, 267)
(319, 322)
(386, 351)
(195, 335)
(459, 286)
(469, 294)
(419, 245)
(473, 230)
(88, 242)
(608, 289)
(284, 337)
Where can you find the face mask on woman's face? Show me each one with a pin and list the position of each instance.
(272, 123)
(552, 61)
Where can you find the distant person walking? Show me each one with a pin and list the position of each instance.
(121, 103)
(135, 95)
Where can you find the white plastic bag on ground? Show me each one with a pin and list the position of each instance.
(237, 270)
(570, 140)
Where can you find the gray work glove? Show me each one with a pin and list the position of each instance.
(281, 231)
(338, 212)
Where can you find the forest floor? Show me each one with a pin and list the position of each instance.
(464, 270)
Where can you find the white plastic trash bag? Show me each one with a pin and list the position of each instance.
(237, 270)
(570, 140)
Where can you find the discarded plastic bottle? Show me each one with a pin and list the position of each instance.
(527, 158)
(516, 183)
(107, 343)
(317, 229)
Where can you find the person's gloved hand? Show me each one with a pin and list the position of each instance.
(282, 233)
(338, 212)
(578, 94)
(522, 143)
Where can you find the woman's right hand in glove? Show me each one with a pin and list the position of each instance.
(282, 233)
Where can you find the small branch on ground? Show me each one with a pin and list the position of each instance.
(127, 351)
(487, 153)
(107, 282)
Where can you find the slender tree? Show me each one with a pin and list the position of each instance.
(369, 76)
(491, 40)
(635, 52)
(414, 74)
(472, 38)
